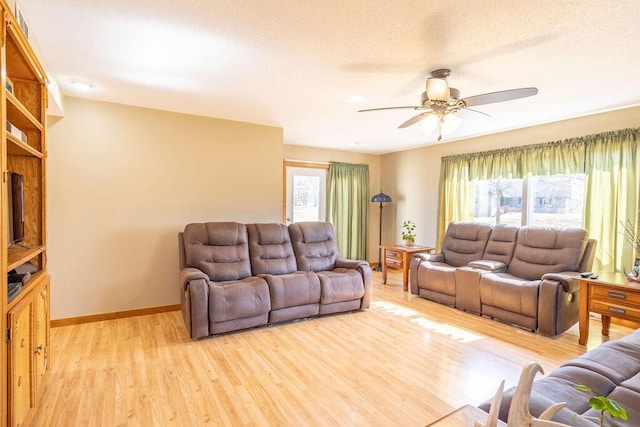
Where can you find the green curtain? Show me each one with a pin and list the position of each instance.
(609, 161)
(348, 207)
(613, 182)
(455, 198)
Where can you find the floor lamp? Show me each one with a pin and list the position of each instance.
(380, 198)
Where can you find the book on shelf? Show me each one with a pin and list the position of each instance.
(13, 130)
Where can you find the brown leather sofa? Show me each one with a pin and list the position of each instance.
(612, 370)
(235, 276)
(526, 276)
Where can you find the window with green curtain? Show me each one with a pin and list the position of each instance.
(609, 161)
(348, 207)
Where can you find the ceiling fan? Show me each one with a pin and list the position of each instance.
(440, 101)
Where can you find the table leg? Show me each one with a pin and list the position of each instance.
(384, 266)
(606, 323)
(406, 258)
(583, 316)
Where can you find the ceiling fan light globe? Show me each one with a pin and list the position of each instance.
(438, 90)
(450, 122)
(429, 124)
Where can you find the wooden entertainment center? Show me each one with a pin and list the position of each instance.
(24, 300)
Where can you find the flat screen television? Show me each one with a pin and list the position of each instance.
(16, 208)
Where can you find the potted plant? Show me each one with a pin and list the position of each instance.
(408, 232)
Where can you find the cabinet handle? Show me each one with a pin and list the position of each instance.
(617, 295)
(39, 349)
(617, 310)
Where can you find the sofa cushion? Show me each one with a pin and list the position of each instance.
(219, 249)
(270, 249)
(290, 290)
(340, 284)
(541, 250)
(314, 244)
(501, 244)
(465, 242)
(238, 299)
(618, 362)
(633, 383)
(510, 293)
(438, 277)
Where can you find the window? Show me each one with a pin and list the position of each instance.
(306, 194)
(536, 200)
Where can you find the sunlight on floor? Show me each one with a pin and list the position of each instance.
(453, 332)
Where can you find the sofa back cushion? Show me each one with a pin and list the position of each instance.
(315, 245)
(270, 249)
(219, 249)
(465, 242)
(541, 250)
(501, 244)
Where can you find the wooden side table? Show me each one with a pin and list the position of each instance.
(463, 417)
(610, 295)
(398, 257)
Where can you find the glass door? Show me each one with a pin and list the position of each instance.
(305, 192)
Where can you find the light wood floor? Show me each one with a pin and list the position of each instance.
(404, 362)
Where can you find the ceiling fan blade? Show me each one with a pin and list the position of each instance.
(477, 111)
(414, 119)
(501, 96)
(388, 108)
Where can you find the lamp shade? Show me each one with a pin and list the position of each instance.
(381, 198)
(438, 90)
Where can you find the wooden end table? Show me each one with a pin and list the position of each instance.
(398, 257)
(463, 417)
(610, 295)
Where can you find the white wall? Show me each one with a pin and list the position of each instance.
(411, 177)
(122, 181)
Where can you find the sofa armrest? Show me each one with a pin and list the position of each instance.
(568, 280)
(558, 302)
(194, 301)
(350, 263)
(488, 265)
(364, 269)
(190, 273)
(439, 257)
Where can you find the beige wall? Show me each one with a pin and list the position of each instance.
(296, 152)
(122, 181)
(412, 176)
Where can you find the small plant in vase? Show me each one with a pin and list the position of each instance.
(408, 233)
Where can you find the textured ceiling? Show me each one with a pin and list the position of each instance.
(291, 63)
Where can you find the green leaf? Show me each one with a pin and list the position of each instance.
(598, 403)
(583, 388)
(616, 410)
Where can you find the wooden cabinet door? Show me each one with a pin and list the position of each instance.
(40, 307)
(20, 360)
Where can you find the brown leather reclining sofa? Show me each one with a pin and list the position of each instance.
(236, 276)
(612, 370)
(521, 275)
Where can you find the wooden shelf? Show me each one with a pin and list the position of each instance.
(19, 116)
(17, 147)
(31, 283)
(17, 256)
(20, 57)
